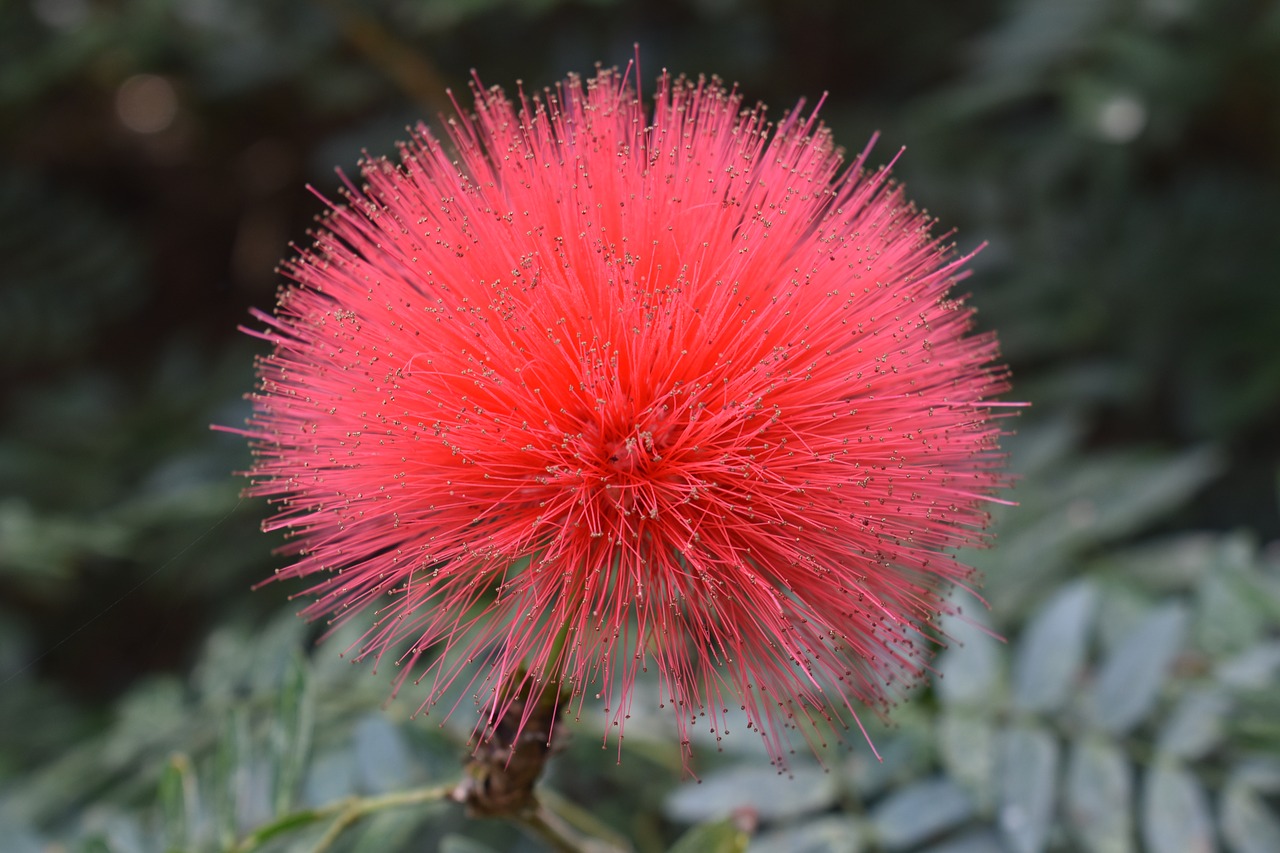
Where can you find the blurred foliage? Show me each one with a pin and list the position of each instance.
(1121, 158)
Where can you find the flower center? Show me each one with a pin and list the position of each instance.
(631, 454)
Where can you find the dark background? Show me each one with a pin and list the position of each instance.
(1121, 160)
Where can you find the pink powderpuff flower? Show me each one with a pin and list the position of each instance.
(593, 389)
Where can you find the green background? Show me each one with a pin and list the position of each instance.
(1121, 159)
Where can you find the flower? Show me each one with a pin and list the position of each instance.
(603, 390)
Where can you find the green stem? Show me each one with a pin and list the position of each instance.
(542, 824)
(344, 812)
(559, 810)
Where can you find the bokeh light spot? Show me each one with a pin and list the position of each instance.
(146, 103)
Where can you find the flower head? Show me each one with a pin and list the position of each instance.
(597, 390)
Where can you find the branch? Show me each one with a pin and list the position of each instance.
(344, 812)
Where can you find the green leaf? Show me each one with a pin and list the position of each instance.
(770, 794)
(919, 812)
(291, 734)
(720, 836)
(1255, 668)
(275, 652)
(152, 714)
(1197, 723)
(108, 827)
(1128, 686)
(974, 841)
(1255, 719)
(966, 742)
(1172, 563)
(177, 799)
(1028, 781)
(454, 843)
(1260, 771)
(230, 777)
(1121, 609)
(1052, 650)
(285, 825)
(1099, 795)
(1140, 491)
(905, 754)
(1034, 36)
(19, 837)
(381, 754)
(1248, 824)
(1175, 811)
(970, 669)
(823, 835)
(1227, 616)
(331, 776)
(219, 673)
(1094, 499)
